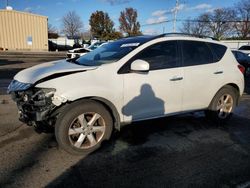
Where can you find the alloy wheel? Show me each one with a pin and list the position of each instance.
(225, 106)
(86, 130)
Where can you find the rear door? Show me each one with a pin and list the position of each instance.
(203, 74)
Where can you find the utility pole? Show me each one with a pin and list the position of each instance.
(175, 15)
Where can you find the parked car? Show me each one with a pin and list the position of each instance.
(78, 52)
(128, 80)
(77, 45)
(58, 47)
(52, 46)
(245, 49)
(242, 59)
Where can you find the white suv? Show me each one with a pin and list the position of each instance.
(128, 80)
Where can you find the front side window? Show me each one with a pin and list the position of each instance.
(162, 55)
(196, 53)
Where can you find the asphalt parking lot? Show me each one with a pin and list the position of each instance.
(180, 151)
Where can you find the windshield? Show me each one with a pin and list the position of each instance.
(108, 53)
(113, 51)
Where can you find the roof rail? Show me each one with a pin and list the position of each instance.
(186, 35)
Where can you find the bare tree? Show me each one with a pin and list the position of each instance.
(198, 26)
(128, 22)
(52, 32)
(72, 24)
(242, 13)
(220, 23)
(51, 29)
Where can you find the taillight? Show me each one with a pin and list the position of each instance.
(242, 69)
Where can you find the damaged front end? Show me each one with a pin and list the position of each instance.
(35, 105)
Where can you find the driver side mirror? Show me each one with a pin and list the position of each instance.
(139, 66)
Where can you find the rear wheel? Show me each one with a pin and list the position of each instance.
(223, 104)
(82, 127)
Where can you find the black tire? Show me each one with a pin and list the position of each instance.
(68, 123)
(212, 113)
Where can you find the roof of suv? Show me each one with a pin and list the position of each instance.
(145, 38)
(136, 41)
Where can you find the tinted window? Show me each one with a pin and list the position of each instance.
(218, 50)
(244, 48)
(196, 53)
(160, 56)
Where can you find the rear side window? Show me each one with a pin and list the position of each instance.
(218, 50)
(196, 53)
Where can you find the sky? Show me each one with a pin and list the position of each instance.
(149, 11)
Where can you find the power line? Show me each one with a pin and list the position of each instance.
(214, 21)
(156, 23)
(205, 21)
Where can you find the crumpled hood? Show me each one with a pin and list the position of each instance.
(38, 72)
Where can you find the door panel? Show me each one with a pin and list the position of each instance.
(202, 75)
(152, 94)
(200, 84)
(158, 91)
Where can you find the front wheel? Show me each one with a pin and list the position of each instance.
(223, 104)
(82, 126)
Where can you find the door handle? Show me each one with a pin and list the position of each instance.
(176, 78)
(218, 72)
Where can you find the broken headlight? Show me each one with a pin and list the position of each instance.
(18, 86)
(43, 93)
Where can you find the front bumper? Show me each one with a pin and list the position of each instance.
(28, 117)
(34, 105)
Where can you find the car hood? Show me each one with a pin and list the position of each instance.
(33, 74)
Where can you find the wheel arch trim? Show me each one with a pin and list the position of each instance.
(235, 86)
(112, 109)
